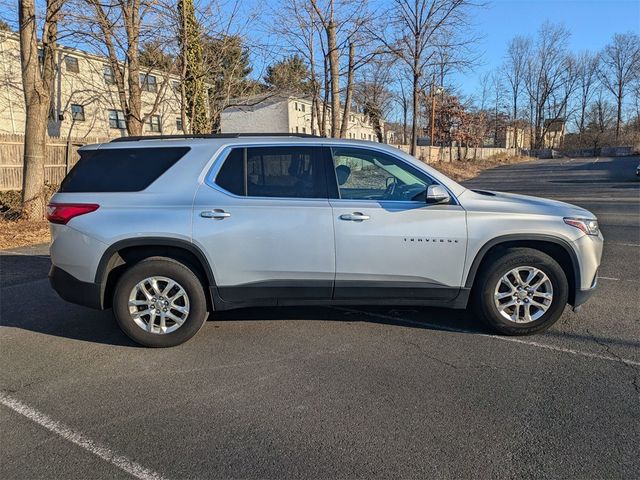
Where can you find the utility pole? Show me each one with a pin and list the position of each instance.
(433, 113)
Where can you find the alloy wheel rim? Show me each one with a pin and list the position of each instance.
(158, 305)
(523, 294)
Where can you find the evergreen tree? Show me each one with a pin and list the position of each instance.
(290, 74)
(193, 68)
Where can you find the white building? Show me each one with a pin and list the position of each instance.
(85, 101)
(287, 114)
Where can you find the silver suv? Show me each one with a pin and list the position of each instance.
(166, 229)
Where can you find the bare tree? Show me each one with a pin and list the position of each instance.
(620, 65)
(120, 26)
(514, 69)
(587, 72)
(421, 28)
(550, 79)
(372, 93)
(38, 75)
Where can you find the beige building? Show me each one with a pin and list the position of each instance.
(85, 101)
(286, 114)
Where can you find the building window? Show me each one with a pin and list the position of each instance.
(116, 119)
(71, 64)
(302, 105)
(295, 106)
(297, 130)
(179, 124)
(109, 77)
(304, 130)
(153, 123)
(77, 112)
(175, 86)
(148, 83)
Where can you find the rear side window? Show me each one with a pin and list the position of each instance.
(120, 169)
(231, 175)
(284, 172)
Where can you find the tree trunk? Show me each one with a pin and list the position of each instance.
(35, 134)
(347, 100)
(38, 84)
(414, 113)
(619, 112)
(334, 67)
(134, 116)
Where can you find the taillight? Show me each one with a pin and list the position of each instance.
(63, 212)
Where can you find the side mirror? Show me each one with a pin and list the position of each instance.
(437, 194)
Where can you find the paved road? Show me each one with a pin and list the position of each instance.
(326, 393)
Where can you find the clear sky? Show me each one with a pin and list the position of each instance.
(592, 24)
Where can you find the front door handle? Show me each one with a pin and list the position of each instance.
(217, 214)
(354, 217)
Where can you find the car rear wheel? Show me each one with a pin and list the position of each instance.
(521, 291)
(159, 302)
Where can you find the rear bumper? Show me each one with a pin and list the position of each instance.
(75, 291)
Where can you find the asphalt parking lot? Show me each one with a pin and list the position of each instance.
(332, 392)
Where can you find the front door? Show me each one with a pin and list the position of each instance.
(389, 242)
(264, 222)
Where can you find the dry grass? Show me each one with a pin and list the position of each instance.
(461, 171)
(20, 233)
(16, 232)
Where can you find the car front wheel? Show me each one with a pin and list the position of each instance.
(521, 291)
(159, 302)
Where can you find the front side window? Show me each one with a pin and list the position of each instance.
(371, 175)
(77, 112)
(71, 64)
(280, 172)
(153, 123)
(116, 119)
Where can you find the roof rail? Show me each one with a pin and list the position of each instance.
(210, 135)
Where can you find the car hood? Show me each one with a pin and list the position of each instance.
(500, 202)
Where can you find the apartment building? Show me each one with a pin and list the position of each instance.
(286, 114)
(85, 101)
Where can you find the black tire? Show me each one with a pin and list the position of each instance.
(503, 261)
(174, 270)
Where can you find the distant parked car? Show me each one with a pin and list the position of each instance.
(165, 230)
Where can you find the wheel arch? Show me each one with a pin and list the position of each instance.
(115, 259)
(557, 248)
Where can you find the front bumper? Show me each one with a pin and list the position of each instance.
(75, 291)
(582, 295)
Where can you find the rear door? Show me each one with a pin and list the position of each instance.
(390, 244)
(264, 220)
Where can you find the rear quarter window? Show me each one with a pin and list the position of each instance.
(120, 169)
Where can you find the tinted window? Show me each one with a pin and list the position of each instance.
(371, 175)
(120, 169)
(285, 172)
(231, 176)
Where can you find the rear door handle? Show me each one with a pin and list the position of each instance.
(354, 217)
(217, 214)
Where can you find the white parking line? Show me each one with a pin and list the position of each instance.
(570, 351)
(119, 461)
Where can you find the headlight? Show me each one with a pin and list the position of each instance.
(587, 225)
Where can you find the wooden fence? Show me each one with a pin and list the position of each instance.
(61, 155)
(465, 154)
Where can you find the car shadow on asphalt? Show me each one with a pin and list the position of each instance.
(28, 302)
(24, 276)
